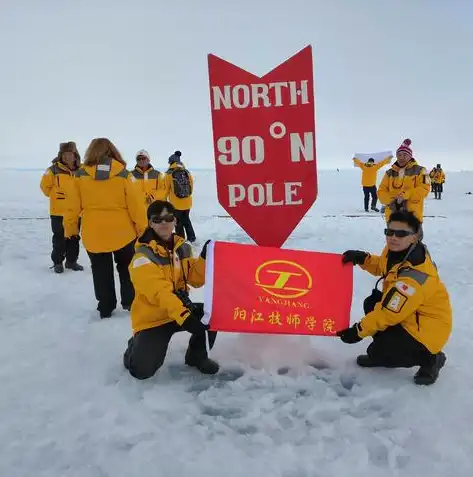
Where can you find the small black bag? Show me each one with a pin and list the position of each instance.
(375, 297)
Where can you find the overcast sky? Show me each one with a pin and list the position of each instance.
(136, 72)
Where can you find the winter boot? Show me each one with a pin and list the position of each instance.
(205, 366)
(375, 208)
(58, 268)
(74, 266)
(365, 361)
(429, 374)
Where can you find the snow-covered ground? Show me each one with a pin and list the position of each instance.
(69, 409)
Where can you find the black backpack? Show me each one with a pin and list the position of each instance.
(182, 183)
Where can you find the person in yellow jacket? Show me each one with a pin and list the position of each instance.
(148, 181)
(405, 185)
(410, 320)
(181, 186)
(368, 179)
(438, 180)
(161, 271)
(113, 216)
(56, 184)
(431, 175)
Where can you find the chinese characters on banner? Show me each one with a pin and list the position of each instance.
(264, 143)
(269, 290)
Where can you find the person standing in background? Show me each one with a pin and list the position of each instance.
(431, 175)
(405, 185)
(147, 180)
(56, 183)
(113, 216)
(180, 185)
(438, 180)
(368, 179)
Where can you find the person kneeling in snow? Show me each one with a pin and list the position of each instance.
(411, 319)
(161, 270)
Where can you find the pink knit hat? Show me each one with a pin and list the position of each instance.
(404, 147)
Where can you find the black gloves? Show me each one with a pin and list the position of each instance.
(192, 323)
(203, 254)
(350, 335)
(357, 257)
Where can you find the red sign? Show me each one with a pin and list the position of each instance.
(271, 290)
(264, 143)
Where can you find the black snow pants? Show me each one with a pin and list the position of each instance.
(104, 281)
(147, 349)
(63, 248)
(184, 224)
(370, 191)
(437, 190)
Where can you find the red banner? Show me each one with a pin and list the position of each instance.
(251, 289)
(264, 143)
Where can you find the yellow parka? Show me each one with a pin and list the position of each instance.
(438, 176)
(57, 183)
(151, 184)
(112, 213)
(413, 296)
(411, 181)
(179, 203)
(156, 272)
(370, 171)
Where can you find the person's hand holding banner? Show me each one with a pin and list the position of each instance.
(350, 335)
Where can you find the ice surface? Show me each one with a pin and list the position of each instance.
(281, 406)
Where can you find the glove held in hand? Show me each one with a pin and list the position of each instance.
(192, 323)
(357, 257)
(350, 335)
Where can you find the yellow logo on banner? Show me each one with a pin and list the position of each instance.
(284, 271)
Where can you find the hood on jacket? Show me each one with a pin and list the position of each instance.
(106, 168)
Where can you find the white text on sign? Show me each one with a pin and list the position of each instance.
(259, 195)
(252, 151)
(260, 95)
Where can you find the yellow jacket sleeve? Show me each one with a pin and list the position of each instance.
(136, 207)
(384, 194)
(372, 265)
(398, 303)
(168, 184)
(149, 280)
(442, 177)
(358, 163)
(47, 182)
(73, 212)
(196, 272)
(383, 163)
(421, 191)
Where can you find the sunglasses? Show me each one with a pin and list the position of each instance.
(158, 219)
(397, 233)
(141, 158)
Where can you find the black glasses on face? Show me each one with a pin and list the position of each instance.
(158, 219)
(397, 233)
